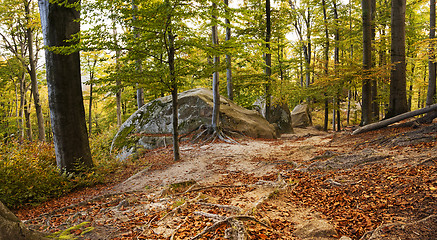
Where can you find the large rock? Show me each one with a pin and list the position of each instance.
(300, 116)
(12, 228)
(151, 127)
(279, 115)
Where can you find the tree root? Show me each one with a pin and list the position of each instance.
(227, 207)
(238, 232)
(207, 134)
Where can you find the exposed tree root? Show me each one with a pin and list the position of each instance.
(227, 207)
(207, 134)
(238, 232)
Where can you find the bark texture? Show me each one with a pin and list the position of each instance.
(268, 61)
(366, 109)
(230, 84)
(430, 97)
(67, 111)
(215, 77)
(398, 83)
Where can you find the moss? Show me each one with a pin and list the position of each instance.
(66, 234)
(125, 137)
(122, 138)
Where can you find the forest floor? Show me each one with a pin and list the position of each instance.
(307, 185)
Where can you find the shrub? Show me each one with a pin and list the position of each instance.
(28, 173)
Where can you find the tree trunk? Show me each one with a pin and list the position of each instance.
(398, 82)
(431, 94)
(336, 63)
(90, 108)
(366, 106)
(268, 62)
(32, 73)
(429, 109)
(326, 119)
(215, 76)
(92, 70)
(229, 86)
(326, 67)
(22, 104)
(117, 82)
(12, 228)
(27, 108)
(140, 93)
(174, 94)
(67, 111)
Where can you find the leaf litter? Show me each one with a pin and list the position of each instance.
(310, 185)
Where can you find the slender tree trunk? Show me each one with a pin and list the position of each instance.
(67, 113)
(268, 62)
(229, 86)
(140, 92)
(349, 92)
(398, 82)
(90, 108)
(215, 76)
(32, 73)
(174, 94)
(334, 116)
(117, 82)
(22, 104)
(90, 119)
(118, 102)
(27, 107)
(326, 119)
(326, 67)
(336, 63)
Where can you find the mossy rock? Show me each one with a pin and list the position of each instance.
(151, 125)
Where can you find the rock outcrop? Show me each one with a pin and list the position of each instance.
(151, 127)
(300, 116)
(279, 115)
(12, 228)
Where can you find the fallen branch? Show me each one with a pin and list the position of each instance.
(386, 122)
(228, 207)
(228, 220)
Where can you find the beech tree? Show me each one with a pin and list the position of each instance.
(366, 107)
(398, 83)
(229, 85)
(430, 98)
(60, 25)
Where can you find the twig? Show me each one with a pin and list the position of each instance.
(232, 208)
(227, 221)
(177, 228)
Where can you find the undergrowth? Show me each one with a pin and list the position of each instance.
(29, 175)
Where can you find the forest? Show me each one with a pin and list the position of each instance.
(72, 72)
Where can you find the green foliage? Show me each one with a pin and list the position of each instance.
(66, 234)
(28, 174)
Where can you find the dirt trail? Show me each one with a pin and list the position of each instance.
(208, 163)
(258, 189)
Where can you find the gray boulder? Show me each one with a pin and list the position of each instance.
(150, 126)
(300, 116)
(279, 115)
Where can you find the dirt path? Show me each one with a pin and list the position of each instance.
(307, 185)
(208, 164)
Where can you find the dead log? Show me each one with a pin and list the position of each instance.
(386, 122)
